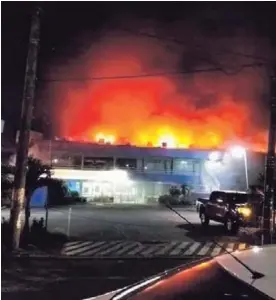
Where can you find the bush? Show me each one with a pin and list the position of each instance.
(169, 199)
(75, 194)
(72, 200)
(103, 199)
(174, 200)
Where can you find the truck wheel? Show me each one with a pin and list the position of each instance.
(204, 219)
(231, 226)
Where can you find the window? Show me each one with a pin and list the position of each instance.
(98, 163)
(65, 160)
(126, 163)
(217, 197)
(77, 160)
(221, 198)
(87, 188)
(183, 165)
(213, 196)
(156, 164)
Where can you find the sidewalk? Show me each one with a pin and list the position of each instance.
(139, 205)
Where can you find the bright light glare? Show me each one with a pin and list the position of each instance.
(256, 249)
(245, 211)
(169, 140)
(237, 151)
(214, 156)
(105, 138)
(134, 288)
(109, 176)
(213, 165)
(43, 176)
(226, 158)
(99, 136)
(110, 139)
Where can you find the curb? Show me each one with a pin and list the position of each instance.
(134, 205)
(68, 257)
(122, 205)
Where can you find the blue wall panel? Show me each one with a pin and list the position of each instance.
(39, 197)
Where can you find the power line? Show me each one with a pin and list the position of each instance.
(207, 58)
(158, 74)
(181, 42)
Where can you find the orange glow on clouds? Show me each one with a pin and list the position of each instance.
(202, 110)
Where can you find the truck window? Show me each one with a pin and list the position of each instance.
(214, 196)
(221, 198)
(217, 197)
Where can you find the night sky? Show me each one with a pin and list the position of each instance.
(70, 28)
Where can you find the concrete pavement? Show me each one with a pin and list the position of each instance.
(74, 279)
(117, 241)
(115, 223)
(133, 223)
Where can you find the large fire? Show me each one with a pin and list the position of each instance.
(200, 111)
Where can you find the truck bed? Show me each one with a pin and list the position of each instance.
(200, 201)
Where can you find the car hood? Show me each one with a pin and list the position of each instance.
(106, 296)
(259, 259)
(127, 289)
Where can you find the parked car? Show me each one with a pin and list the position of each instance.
(223, 277)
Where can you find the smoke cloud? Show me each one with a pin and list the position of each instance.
(202, 110)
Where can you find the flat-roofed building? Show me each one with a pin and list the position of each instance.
(135, 174)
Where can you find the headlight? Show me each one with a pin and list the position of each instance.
(245, 211)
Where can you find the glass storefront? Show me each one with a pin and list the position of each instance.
(129, 192)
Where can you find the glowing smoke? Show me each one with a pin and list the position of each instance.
(199, 110)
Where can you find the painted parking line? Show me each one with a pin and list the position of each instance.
(132, 249)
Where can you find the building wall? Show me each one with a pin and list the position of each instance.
(151, 170)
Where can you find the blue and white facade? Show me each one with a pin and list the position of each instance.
(127, 173)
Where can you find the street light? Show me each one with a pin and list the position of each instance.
(240, 152)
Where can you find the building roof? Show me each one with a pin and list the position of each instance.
(97, 150)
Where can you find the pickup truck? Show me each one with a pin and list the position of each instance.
(227, 207)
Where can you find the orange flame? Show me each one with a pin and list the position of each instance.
(202, 111)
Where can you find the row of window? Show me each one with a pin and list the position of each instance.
(146, 164)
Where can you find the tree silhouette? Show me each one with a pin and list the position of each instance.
(35, 169)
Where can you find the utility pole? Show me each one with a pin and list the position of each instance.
(268, 208)
(18, 200)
